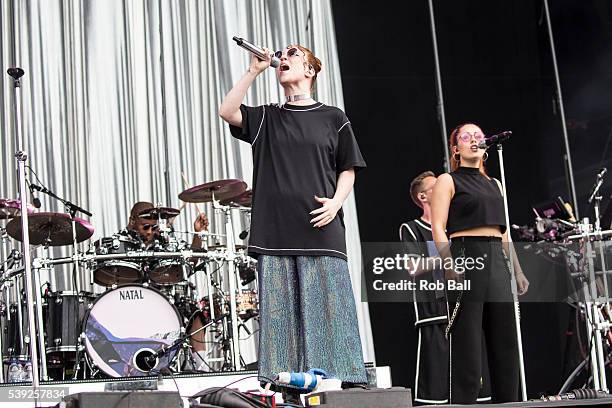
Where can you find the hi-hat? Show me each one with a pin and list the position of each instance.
(11, 208)
(222, 190)
(53, 229)
(243, 200)
(157, 213)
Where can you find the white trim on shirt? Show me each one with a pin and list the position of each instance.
(260, 125)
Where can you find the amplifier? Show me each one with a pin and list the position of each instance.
(396, 397)
(121, 399)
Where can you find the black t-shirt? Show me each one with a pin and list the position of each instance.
(298, 152)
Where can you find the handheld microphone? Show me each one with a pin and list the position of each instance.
(495, 139)
(257, 51)
(35, 200)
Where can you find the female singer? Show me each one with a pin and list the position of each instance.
(304, 161)
(468, 207)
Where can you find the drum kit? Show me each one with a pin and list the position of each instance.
(584, 248)
(151, 307)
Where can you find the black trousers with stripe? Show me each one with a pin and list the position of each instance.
(486, 308)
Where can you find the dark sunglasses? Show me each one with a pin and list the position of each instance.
(147, 227)
(290, 52)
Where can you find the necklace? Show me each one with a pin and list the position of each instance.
(293, 98)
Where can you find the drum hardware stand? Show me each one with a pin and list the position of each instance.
(595, 323)
(5, 259)
(595, 197)
(209, 288)
(9, 284)
(39, 314)
(231, 268)
(79, 355)
(21, 156)
(39, 325)
(181, 341)
(513, 285)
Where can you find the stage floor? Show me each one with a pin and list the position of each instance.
(186, 384)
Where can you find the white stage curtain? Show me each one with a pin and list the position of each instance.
(120, 99)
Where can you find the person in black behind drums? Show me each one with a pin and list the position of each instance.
(145, 229)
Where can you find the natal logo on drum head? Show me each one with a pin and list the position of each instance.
(130, 294)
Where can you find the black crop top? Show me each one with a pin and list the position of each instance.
(477, 202)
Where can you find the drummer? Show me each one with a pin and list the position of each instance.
(147, 229)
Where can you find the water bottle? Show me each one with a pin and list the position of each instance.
(15, 370)
(26, 373)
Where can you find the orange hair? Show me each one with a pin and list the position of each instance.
(312, 61)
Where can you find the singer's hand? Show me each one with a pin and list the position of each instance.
(201, 223)
(451, 274)
(258, 66)
(327, 212)
(522, 283)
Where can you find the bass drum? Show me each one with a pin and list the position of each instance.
(126, 325)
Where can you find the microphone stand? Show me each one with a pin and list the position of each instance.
(500, 154)
(21, 157)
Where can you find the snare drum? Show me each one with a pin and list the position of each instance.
(116, 271)
(126, 325)
(169, 271)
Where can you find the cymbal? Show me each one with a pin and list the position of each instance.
(157, 213)
(11, 208)
(223, 190)
(243, 200)
(54, 229)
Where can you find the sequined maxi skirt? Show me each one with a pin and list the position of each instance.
(308, 317)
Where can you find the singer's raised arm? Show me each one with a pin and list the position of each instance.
(230, 107)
